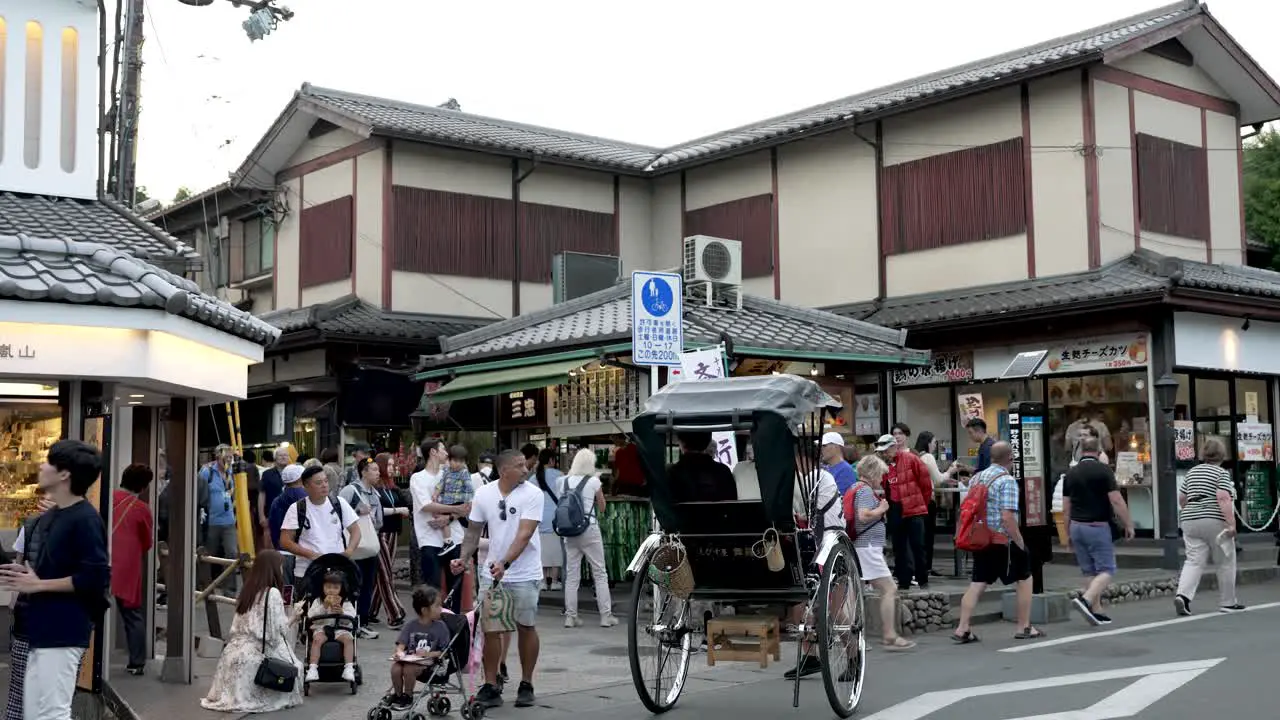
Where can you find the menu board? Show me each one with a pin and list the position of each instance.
(1254, 442)
(1184, 440)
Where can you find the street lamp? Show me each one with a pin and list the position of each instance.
(1166, 389)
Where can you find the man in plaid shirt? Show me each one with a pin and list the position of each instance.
(1007, 559)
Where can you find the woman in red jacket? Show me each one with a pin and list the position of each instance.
(910, 488)
(131, 531)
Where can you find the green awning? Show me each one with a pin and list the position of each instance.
(498, 382)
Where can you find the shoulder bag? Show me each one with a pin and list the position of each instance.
(369, 545)
(273, 674)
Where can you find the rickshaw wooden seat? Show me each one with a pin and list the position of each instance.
(723, 517)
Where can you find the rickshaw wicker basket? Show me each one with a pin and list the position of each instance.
(669, 569)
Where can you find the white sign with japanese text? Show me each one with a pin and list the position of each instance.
(657, 329)
(1255, 441)
(943, 367)
(1108, 353)
(700, 366)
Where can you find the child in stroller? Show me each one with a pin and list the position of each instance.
(432, 648)
(330, 622)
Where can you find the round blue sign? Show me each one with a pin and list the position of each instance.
(656, 297)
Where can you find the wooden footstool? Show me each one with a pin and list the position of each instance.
(722, 631)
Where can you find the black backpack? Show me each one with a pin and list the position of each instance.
(304, 523)
(571, 518)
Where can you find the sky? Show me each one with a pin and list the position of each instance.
(656, 73)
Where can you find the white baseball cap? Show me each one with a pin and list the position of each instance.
(832, 438)
(291, 474)
(885, 442)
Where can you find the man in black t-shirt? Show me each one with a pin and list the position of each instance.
(697, 476)
(1090, 498)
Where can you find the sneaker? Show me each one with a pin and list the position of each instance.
(1102, 619)
(395, 624)
(349, 673)
(1086, 611)
(313, 674)
(1236, 607)
(608, 621)
(557, 585)
(1182, 604)
(572, 621)
(524, 694)
(489, 696)
(402, 702)
(809, 666)
(364, 633)
(136, 669)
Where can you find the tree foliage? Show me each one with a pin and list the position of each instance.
(183, 193)
(140, 195)
(1262, 188)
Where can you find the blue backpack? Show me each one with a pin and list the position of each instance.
(571, 518)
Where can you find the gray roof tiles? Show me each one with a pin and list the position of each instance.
(605, 316)
(351, 317)
(97, 221)
(70, 271)
(434, 124)
(1144, 273)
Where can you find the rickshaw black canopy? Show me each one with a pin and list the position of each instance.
(775, 409)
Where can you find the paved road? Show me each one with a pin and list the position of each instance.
(1147, 663)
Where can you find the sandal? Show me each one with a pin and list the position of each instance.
(966, 638)
(1030, 633)
(899, 644)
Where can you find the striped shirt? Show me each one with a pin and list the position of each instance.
(870, 534)
(1201, 485)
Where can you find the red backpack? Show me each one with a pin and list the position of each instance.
(850, 506)
(972, 532)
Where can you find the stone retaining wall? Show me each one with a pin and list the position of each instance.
(1123, 592)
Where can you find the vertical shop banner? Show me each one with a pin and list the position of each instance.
(1254, 442)
(700, 366)
(1184, 440)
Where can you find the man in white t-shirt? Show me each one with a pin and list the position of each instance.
(329, 526)
(436, 526)
(511, 509)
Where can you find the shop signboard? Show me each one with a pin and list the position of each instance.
(970, 407)
(943, 367)
(1254, 442)
(523, 409)
(1184, 440)
(1115, 352)
(657, 318)
(701, 366)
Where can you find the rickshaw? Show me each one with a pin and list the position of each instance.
(711, 552)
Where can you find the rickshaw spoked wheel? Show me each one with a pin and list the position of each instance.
(840, 619)
(659, 642)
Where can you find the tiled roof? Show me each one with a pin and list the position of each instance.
(351, 317)
(70, 271)
(93, 221)
(1144, 274)
(605, 316)
(451, 126)
(435, 124)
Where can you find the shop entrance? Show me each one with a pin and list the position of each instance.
(1237, 410)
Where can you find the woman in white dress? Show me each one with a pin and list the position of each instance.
(233, 689)
(584, 479)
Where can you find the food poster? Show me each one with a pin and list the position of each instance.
(1107, 353)
(1254, 442)
(866, 415)
(970, 407)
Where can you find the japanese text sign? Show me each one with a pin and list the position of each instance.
(1254, 441)
(942, 367)
(1109, 353)
(700, 366)
(1184, 439)
(657, 329)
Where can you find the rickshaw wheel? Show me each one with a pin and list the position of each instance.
(839, 615)
(666, 622)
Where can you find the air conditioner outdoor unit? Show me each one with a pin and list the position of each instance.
(713, 272)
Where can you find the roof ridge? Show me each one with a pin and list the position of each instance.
(317, 92)
(178, 247)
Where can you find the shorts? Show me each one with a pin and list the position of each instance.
(526, 597)
(871, 563)
(337, 634)
(552, 550)
(1007, 563)
(1095, 550)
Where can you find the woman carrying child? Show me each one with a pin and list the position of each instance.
(423, 641)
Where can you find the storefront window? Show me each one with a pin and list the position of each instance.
(30, 423)
(1117, 407)
(1213, 413)
(929, 410)
(304, 436)
(992, 405)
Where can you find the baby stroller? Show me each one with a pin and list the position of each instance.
(331, 661)
(442, 679)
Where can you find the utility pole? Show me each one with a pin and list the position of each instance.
(124, 164)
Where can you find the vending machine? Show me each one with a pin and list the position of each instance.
(1026, 436)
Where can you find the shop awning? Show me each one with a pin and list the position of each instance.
(497, 382)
